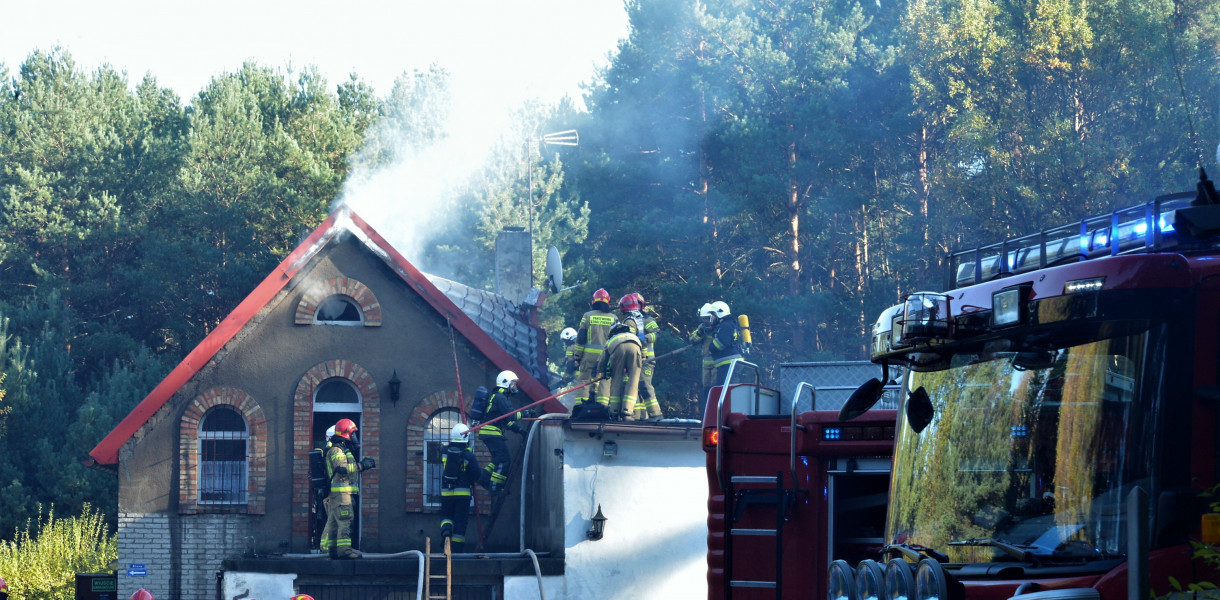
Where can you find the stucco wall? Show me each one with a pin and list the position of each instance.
(654, 497)
(267, 361)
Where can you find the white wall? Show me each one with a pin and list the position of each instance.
(654, 497)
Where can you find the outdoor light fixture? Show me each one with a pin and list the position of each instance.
(597, 525)
(610, 448)
(395, 387)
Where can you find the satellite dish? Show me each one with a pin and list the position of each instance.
(554, 270)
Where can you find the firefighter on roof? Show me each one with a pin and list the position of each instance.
(495, 474)
(341, 468)
(460, 471)
(703, 336)
(726, 341)
(591, 337)
(648, 406)
(621, 365)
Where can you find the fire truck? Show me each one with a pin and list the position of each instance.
(1057, 431)
(789, 485)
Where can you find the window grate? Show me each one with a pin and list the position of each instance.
(224, 440)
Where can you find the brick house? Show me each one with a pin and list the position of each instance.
(213, 464)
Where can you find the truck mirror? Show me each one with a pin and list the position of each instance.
(862, 399)
(919, 410)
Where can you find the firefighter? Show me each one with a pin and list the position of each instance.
(726, 341)
(621, 365)
(591, 336)
(648, 406)
(140, 594)
(460, 471)
(341, 468)
(495, 474)
(3, 589)
(703, 336)
(568, 337)
(301, 597)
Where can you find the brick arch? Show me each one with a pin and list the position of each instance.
(416, 424)
(345, 286)
(188, 450)
(370, 440)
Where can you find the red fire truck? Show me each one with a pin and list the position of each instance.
(790, 486)
(1058, 426)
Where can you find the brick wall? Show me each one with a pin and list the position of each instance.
(343, 286)
(191, 546)
(144, 540)
(188, 450)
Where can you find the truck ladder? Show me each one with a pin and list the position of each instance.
(447, 575)
(737, 501)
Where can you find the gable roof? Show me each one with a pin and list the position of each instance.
(340, 221)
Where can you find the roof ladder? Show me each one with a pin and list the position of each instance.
(737, 502)
(446, 575)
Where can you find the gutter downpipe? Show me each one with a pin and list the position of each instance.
(525, 469)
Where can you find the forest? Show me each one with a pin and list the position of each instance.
(808, 162)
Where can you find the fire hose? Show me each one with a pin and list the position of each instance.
(535, 403)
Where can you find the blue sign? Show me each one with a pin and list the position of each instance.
(135, 566)
(137, 572)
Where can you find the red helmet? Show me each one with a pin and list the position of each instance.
(639, 298)
(142, 594)
(601, 295)
(345, 428)
(301, 597)
(3, 586)
(628, 303)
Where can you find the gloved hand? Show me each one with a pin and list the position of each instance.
(341, 470)
(517, 429)
(569, 367)
(367, 463)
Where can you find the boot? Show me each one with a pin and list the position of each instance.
(350, 554)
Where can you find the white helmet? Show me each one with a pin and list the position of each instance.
(459, 434)
(720, 309)
(330, 432)
(506, 379)
(568, 334)
(707, 310)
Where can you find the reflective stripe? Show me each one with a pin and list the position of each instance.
(727, 359)
(456, 492)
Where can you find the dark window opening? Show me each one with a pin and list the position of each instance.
(223, 457)
(336, 390)
(338, 309)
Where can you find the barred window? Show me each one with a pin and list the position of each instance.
(223, 457)
(339, 310)
(436, 435)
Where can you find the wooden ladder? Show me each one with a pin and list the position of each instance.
(447, 575)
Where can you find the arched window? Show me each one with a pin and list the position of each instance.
(339, 310)
(436, 435)
(336, 394)
(223, 457)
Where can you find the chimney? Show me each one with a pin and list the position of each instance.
(514, 271)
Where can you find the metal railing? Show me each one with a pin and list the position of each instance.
(724, 390)
(796, 396)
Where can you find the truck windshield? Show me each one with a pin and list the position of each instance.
(1033, 450)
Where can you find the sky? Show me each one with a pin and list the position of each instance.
(499, 53)
(520, 48)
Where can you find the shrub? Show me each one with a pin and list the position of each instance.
(41, 561)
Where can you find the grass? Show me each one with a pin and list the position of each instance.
(41, 562)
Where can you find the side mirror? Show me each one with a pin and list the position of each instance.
(865, 396)
(919, 410)
(862, 399)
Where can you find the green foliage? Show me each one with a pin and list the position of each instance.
(41, 563)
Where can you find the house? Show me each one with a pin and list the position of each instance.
(213, 465)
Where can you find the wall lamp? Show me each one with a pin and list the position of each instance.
(597, 526)
(395, 387)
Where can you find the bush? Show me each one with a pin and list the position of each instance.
(42, 564)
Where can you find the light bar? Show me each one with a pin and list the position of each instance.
(1127, 230)
(925, 316)
(1091, 284)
